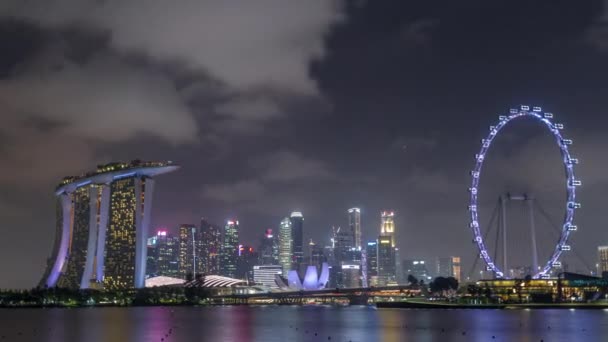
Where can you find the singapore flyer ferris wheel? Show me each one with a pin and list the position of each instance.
(571, 183)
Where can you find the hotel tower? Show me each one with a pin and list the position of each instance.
(102, 227)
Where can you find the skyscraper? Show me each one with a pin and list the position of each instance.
(211, 245)
(297, 231)
(354, 223)
(387, 227)
(269, 249)
(416, 268)
(167, 251)
(230, 249)
(347, 259)
(102, 226)
(151, 258)
(448, 267)
(189, 250)
(285, 245)
(386, 261)
(316, 255)
(247, 258)
(602, 256)
(372, 263)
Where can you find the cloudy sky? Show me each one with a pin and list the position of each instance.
(272, 106)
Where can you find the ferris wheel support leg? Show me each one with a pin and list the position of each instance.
(503, 204)
(533, 233)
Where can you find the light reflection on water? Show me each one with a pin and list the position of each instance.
(294, 324)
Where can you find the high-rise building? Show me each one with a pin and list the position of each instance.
(247, 258)
(285, 245)
(269, 249)
(346, 254)
(316, 256)
(297, 231)
(102, 226)
(211, 245)
(351, 275)
(151, 258)
(230, 249)
(189, 250)
(372, 263)
(387, 227)
(399, 274)
(167, 254)
(416, 268)
(449, 267)
(386, 261)
(354, 223)
(602, 256)
(266, 275)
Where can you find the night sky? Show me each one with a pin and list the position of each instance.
(272, 106)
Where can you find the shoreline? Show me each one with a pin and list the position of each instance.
(529, 306)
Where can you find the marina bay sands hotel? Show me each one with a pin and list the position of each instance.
(102, 226)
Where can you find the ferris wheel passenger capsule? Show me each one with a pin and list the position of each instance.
(503, 117)
(565, 247)
(525, 107)
(537, 109)
(572, 227)
(557, 264)
(548, 115)
(559, 126)
(574, 205)
(567, 141)
(572, 161)
(513, 111)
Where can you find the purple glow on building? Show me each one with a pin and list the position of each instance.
(311, 278)
(294, 280)
(62, 253)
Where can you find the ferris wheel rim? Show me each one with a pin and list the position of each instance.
(571, 183)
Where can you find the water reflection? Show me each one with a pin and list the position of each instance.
(298, 323)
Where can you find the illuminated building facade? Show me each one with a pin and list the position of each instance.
(247, 258)
(189, 250)
(346, 255)
(230, 249)
(602, 257)
(167, 254)
(211, 246)
(151, 258)
(387, 227)
(372, 263)
(354, 223)
(269, 249)
(102, 225)
(351, 275)
(386, 261)
(297, 231)
(449, 267)
(285, 245)
(417, 268)
(266, 275)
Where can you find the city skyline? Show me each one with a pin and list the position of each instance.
(329, 108)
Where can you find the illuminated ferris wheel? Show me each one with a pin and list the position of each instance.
(571, 183)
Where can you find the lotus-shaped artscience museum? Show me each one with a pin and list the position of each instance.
(312, 281)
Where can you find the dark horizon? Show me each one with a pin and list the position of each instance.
(315, 106)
